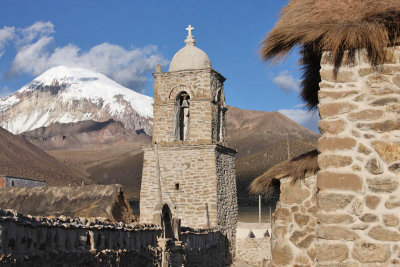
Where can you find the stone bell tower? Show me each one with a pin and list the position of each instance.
(188, 167)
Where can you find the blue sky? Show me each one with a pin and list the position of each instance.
(125, 39)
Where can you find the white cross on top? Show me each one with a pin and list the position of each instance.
(190, 29)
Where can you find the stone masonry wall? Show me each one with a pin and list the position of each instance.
(227, 207)
(193, 168)
(207, 186)
(63, 241)
(358, 202)
(254, 251)
(294, 223)
(253, 244)
(203, 87)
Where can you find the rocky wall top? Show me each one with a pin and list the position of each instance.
(72, 223)
(108, 201)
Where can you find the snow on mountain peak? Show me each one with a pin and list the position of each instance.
(83, 83)
(70, 94)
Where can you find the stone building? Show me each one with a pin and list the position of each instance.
(294, 221)
(351, 58)
(188, 167)
(12, 181)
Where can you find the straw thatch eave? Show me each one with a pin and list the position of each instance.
(336, 26)
(297, 168)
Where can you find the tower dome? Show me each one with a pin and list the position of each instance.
(190, 57)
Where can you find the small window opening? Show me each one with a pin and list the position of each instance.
(177, 186)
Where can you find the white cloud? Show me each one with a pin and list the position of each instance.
(308, 119)
(286, 82)
(37, 30)
(6, 34)
(301, 105)
(126, 66)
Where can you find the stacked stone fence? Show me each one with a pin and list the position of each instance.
(75, 242)
(205, 247)
(62, 241)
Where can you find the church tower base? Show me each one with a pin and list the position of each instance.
(198, 183)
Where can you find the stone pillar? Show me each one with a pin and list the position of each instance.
(293, 224)
(358, 181)
(164, 245)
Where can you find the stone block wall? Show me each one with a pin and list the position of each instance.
(207, 185)
(253, 245)
(358, 202)
(203, 87)
(294, 224)
(193, 168)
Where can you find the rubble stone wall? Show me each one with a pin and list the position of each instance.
(294, 223)
(359, 197)
(62, 241)
(206, 248)
(40, 241)
(227, 205)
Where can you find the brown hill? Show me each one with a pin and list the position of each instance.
(264, 139)
(84, 135)
(107, 152)
(18, 157)
(251, 132)
(118, 164)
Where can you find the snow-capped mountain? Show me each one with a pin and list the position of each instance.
(63, 94)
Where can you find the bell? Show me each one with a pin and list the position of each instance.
(185, 104)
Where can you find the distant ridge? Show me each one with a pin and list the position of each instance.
(84, 135)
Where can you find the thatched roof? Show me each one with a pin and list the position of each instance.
(107, 201)
(332, 25)
(297, 168)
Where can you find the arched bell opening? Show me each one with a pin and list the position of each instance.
(182, 115)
